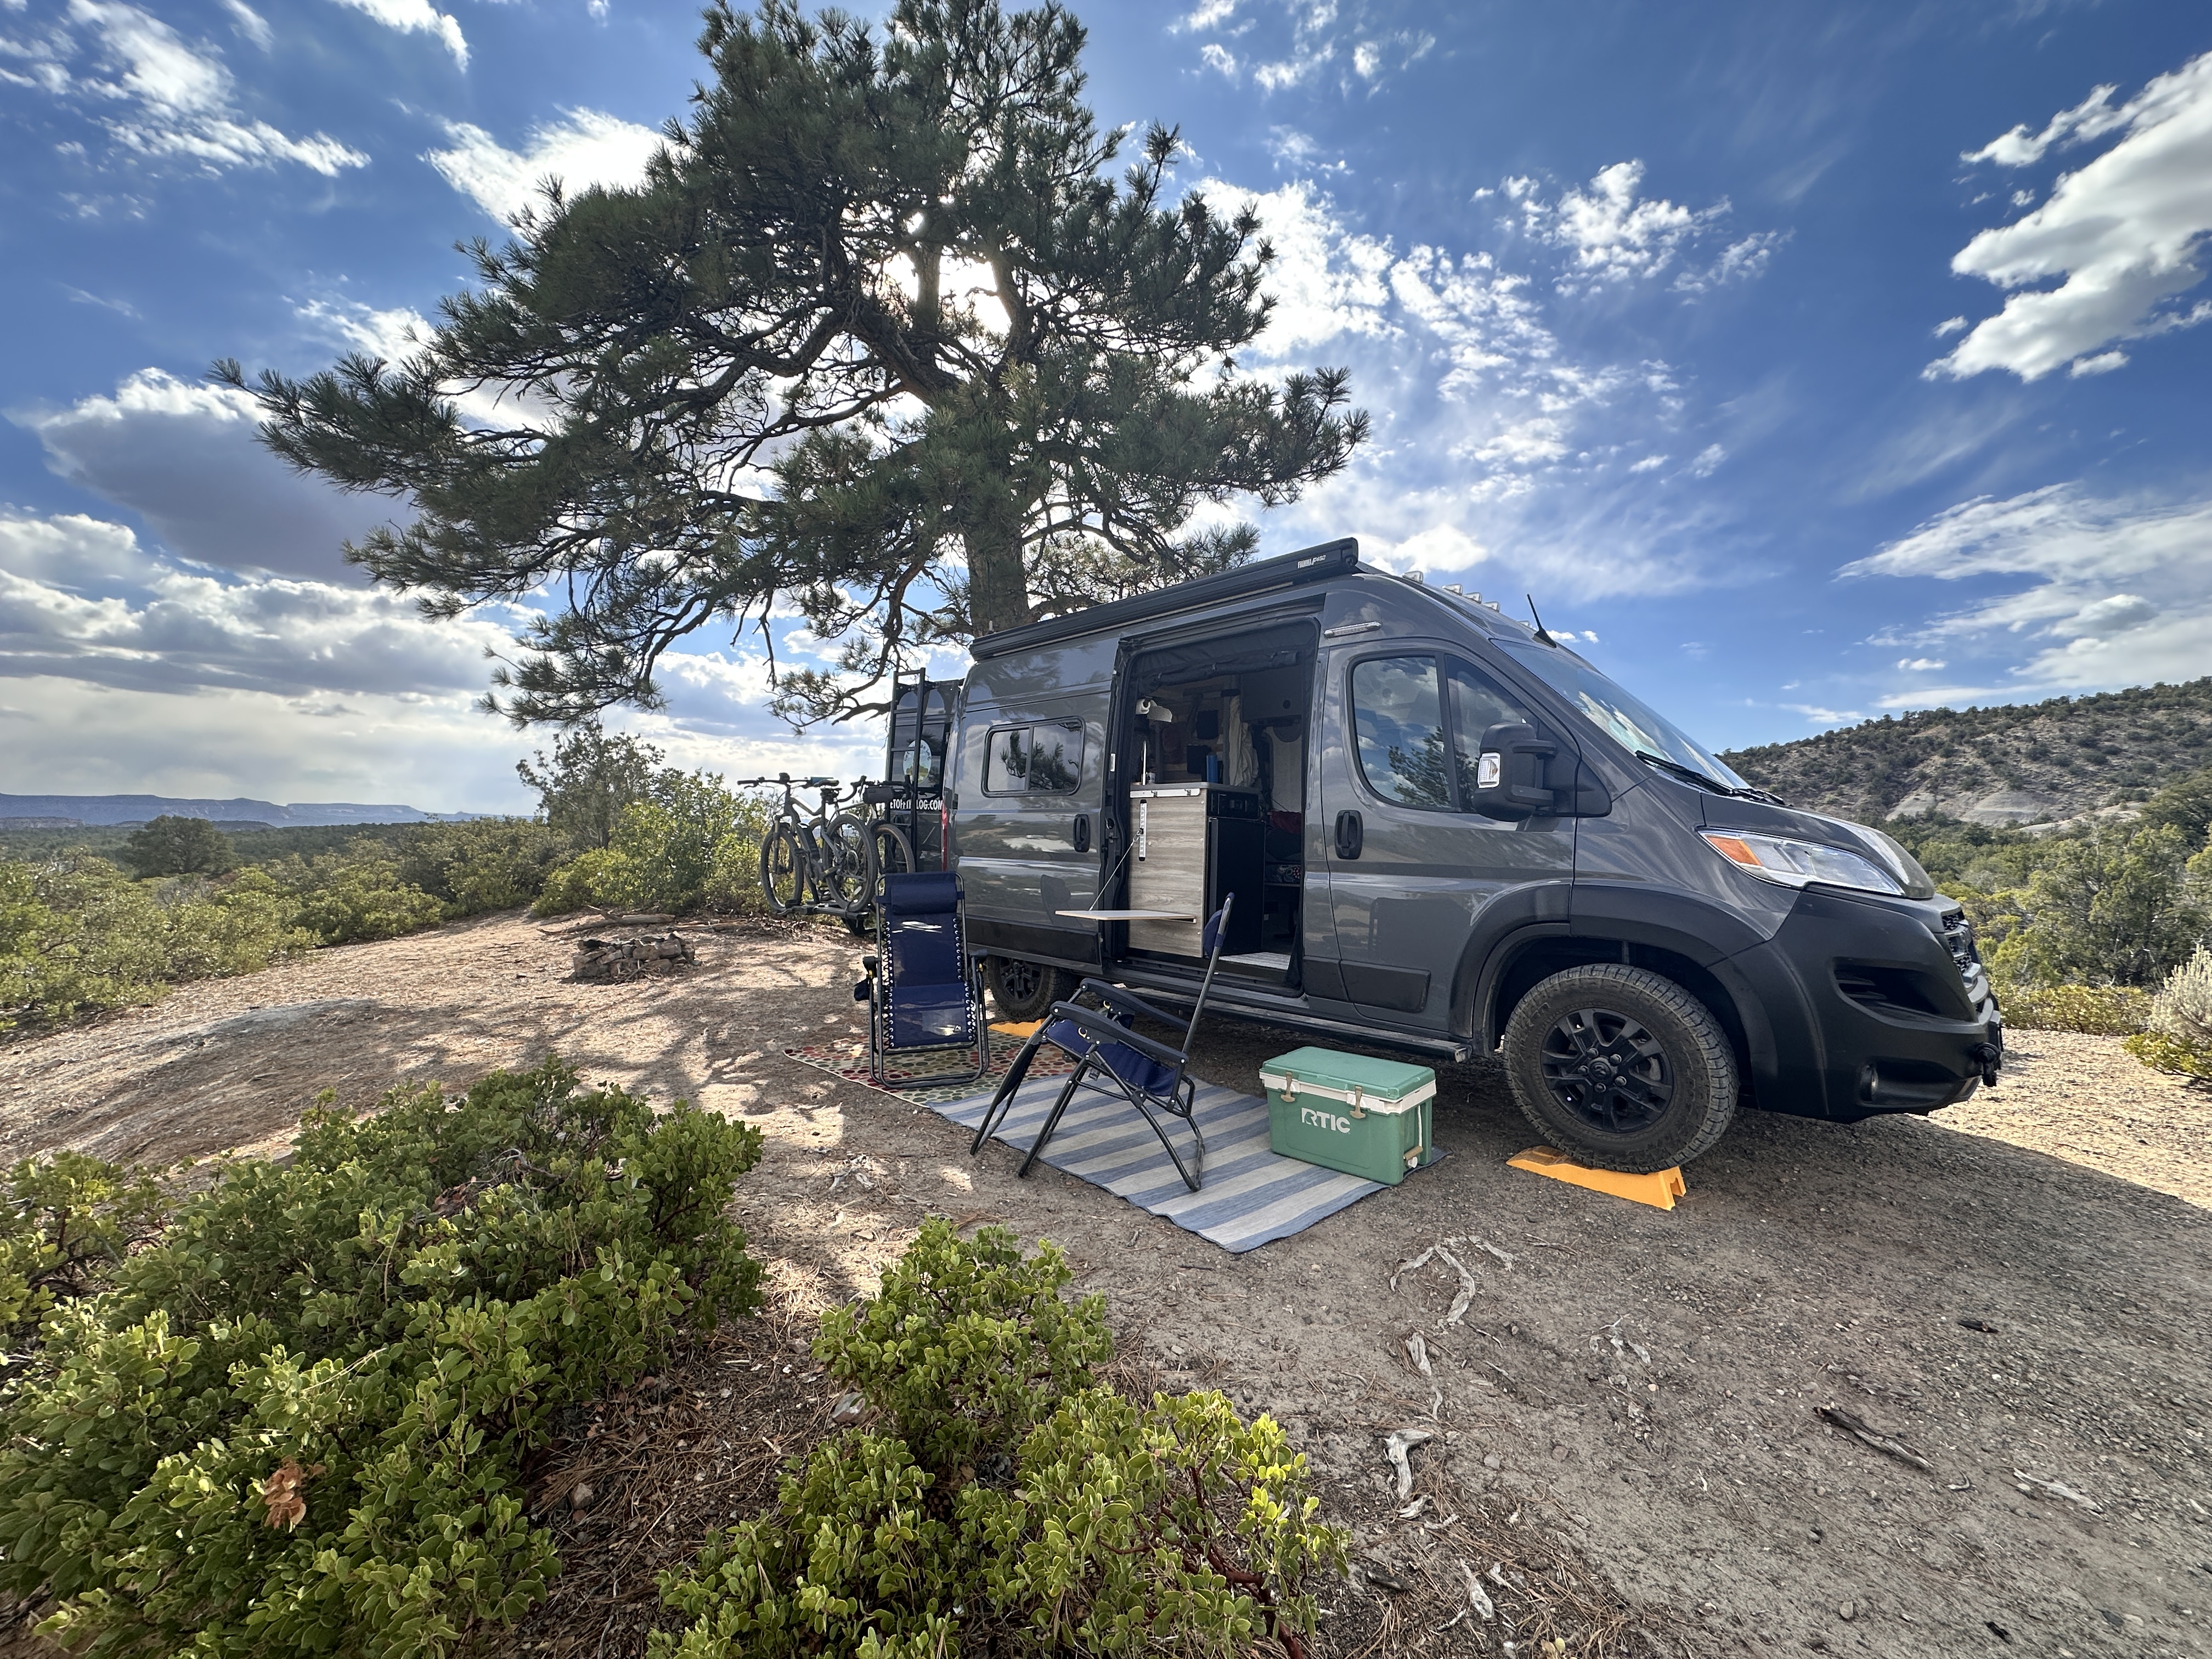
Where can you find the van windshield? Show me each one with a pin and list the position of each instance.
(1629, 720)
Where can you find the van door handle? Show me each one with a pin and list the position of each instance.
(1082, 832)
(1350, 835)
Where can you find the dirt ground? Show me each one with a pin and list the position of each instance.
(1625, 1417)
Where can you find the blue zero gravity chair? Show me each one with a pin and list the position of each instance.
(1149, 1075)
(921, 990)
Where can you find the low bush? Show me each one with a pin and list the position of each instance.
(690, 845)
(2100, 1009)
(1002, 1501)
(78, 935)
(2178, 1037)
(350, 901)
(66, 1224)
(297, 1423)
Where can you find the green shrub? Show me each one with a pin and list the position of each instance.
(2100, 1009)
(76, 934)
(353, 900)
(65, 1225)
(297, 1424)
(1002, 1502)
(692, 845)
(484, 864)
(2179, 1034)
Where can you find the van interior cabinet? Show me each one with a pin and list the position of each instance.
(1196, 844)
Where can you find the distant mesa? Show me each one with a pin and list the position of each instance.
(78, 812)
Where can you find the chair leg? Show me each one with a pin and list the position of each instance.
(1060, 1106)
(1002, 1098)
(1173, 1156)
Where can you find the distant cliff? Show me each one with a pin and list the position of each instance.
(2015, 763)
(136, 809)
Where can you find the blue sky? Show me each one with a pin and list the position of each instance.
(1811, 360)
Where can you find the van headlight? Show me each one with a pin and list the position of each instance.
(1801, 863)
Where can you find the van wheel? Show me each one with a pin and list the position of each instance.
(1621, 1068)
(1025, 990)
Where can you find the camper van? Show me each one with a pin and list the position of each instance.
(1441, 831)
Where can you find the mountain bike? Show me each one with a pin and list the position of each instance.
(820, 861)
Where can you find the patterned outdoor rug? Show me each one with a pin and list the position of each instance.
(1248, 1194)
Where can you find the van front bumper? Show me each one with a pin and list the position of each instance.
(1896, 1014)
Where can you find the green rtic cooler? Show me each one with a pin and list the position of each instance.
(1366, 1118)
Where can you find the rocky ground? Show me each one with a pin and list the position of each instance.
(1627, 1447)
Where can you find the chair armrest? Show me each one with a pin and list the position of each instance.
(1127, 999)
(1098, 1025)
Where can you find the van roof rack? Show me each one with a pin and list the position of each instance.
(1285, 570)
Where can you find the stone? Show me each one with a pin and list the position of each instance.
(628, 959)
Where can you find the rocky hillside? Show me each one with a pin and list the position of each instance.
(2018, 763)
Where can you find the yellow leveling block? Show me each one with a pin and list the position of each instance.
(1020, 1029)
(1659, 1190)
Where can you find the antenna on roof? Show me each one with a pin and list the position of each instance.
(1541, 634)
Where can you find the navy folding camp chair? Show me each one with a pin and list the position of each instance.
(1112, 1058)
(921, 990)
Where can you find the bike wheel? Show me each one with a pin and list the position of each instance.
(845, 875)
(783, 870)
(893, 853)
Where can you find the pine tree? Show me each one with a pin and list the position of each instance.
(879, 339)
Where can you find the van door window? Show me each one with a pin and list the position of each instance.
(1477, 704)
(1398, 716)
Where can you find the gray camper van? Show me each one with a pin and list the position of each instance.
(1446, 833)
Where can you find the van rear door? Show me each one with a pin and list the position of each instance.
(1409, 868)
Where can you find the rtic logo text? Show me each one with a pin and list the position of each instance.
(1324, 1120)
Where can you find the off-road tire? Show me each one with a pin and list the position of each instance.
(1023, 991)
(1674, 1037)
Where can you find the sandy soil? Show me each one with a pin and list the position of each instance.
(1678, 1479)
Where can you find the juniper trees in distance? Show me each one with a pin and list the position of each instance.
(879, 340)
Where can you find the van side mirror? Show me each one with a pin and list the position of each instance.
(1510, 773)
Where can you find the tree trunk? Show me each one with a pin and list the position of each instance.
(998, 586)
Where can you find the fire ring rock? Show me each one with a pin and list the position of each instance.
(628, 959)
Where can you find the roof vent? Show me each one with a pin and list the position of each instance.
(1454, 588)
(1414, 577)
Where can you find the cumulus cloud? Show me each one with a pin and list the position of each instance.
(2123, 235)
(160, 96)
(184, 458)
(79, 600)
(585, 147)
(2120, 591)
(417, 16)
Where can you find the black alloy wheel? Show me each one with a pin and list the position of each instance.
(1607, 1068)
(1621, 1068)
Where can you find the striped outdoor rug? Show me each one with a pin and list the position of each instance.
(1248, 1196)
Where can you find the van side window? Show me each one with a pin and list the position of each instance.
(1398, 715)
(1037, 760)
(1477, 704)
(1055, 759)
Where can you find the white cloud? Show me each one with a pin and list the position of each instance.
(2121, 591)
(2103, 363)
(2125, 232)
(584, 147)
(1821, 716)
(162, 97)
(250, 23)
(1327, 281)
(417, 16)
(1218, 58)
(1950, 326)
(1614, 236)
(158, 628)
(185, 457)
(1709, 461)
(1921, 665)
